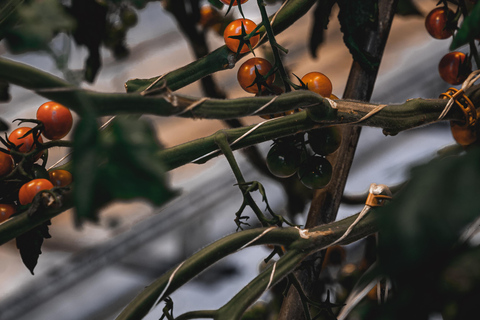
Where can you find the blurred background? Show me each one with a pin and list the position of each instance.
(93, 272)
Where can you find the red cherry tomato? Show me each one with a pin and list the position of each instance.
(454, 68)
(246, 74)
(234, 2)
(6, 164)
(234, 28)
(56, 118)
(26, 143)
(60, 178)
(30, 189)
(6, 211)
(319, 83)
(438, 23)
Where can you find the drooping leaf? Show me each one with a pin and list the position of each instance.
(469, 29)
(216, 3)
(356, 19)
(30, 244)
(407, 8)
(35, 25)
(321, 17)
(131, 169)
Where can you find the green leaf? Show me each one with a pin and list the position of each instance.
(321, 17)
(469, 29)
(431, 211)
(131, 169)
(216, 3)
(30, 244)
(356, 19)
(36, 23)
(86, 157)
(408, 8)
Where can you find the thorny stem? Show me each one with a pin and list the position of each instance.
(274, 45)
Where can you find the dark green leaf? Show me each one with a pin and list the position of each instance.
(131, 169)
(321, 17)
(357, 18)
(86, 159)
(36, 23)
(30, 244)
(216, 3)
(3, 125)
(407, 8)
(430, 213)
(469, 29)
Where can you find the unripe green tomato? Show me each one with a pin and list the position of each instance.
(283, 159)
(129, 17)
(315, 173)
(325, 141)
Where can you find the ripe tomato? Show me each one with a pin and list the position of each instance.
(234, 2)
(60, 178)
(324, 141)
(6, 164)
(56, 118)
(234, 28)
(283, 159)
(315, 173)
(454, 67)
(209, 16)
(6, 211)
(464, 136)
(30, 189)
(26, 143)
(247, 76)
(319, 83)
(438, 23)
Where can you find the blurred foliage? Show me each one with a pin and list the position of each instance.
(4, 93)
(407, 8)
(469, 30)
(320, 23)
(419, 238)
(118, 163)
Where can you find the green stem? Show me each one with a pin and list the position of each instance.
(299, 244)
(273, 44)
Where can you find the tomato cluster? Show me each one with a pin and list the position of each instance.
(441, 23)
(21, 178)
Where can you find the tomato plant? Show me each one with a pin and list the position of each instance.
(56, 118)
(6, 164)
(30, 189)
(6, 211)
(283, 159)
(315, 172)
(251, 75)
(439, 23)
(454, 67)
(60, 178)
(24, 142)
(319, 83)
(240, 28)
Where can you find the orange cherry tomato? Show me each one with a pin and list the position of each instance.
(319, 83)
(209, 16)
(27, 143)
(6, 164)
(56, 118)
(464, 136)
(454, 68)
(30, 189)
(60, 178)
(6, 211)
(234, 28)
(246, 74)
(438, 23)
(234, 2)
